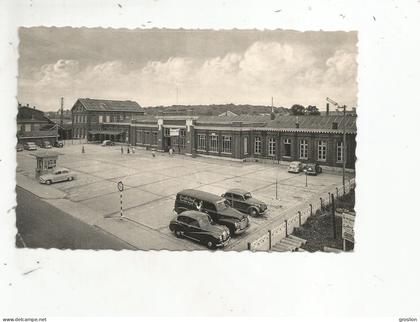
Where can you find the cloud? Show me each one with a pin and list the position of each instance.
(290, 73)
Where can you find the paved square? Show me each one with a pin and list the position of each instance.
(151, 184)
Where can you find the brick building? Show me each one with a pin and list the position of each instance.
(90, 115)
(34, 126)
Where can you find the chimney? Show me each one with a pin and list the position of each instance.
(27, 105)
(328, 109)
(297, 122)
(335, 126)
(34, 107)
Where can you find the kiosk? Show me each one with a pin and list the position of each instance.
(46, 162)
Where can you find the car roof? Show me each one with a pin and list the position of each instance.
(61, 169)
(207, 196)
(193, 214)
(237, 190)
(295, 162)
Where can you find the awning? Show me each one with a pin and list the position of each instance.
(107, 132)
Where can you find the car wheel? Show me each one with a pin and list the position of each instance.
(253, 212)
(179, 234)
(48, 182)
(210, 244)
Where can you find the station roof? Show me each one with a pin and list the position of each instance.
(109, 105)
(314, 122)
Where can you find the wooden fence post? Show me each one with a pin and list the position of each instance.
(310, 205)
(269, 239)
(336, 189)
(300, 218)
(322, 206)
(286, 227)
(249, 246)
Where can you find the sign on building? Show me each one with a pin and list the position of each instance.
(173, 132)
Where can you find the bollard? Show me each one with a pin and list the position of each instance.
(300, 218)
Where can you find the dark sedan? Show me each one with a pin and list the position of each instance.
(199, 227)
(313, 169)
(243, 201)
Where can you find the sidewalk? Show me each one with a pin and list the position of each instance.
(38, 189)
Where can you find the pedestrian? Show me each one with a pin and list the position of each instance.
(128, 150)
(122, 150)
(83, 149)
(132, 150)
(171, 151)
(153, 154)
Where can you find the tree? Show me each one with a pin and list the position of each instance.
(297, 109)
(312, 110)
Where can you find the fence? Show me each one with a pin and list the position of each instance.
(286, 227)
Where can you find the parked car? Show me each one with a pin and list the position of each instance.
(46, 145)
(30, 146)
(58, 144)
(19, 147)
(313, 169)
(200, 227)
(108, 143)
(243, 201)
(295, 167)
(57, 175)
(215, 206)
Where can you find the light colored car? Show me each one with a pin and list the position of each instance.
(57, 175)
(30, 146)
(108, 143)
(295, 167)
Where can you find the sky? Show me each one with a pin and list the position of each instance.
(165, 67)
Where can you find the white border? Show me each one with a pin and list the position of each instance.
(379, 279)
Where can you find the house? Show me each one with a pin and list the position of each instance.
(34, 126)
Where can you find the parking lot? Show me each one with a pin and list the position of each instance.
(151, 183)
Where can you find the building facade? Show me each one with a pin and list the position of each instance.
(310, 139)
(90, 117)
(34, 126)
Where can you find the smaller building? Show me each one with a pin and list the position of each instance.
(34, 126)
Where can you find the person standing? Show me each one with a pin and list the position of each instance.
(122, 150)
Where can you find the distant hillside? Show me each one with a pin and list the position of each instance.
(215, 109)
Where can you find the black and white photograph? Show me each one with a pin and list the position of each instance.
(186, 139)
(177, 160)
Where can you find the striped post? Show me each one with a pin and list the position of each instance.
(121, 188)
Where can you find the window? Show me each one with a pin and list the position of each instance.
(340, 151)
(27, 127)
(213, 143)
(322, 150)
(201, 142)
(245, 145)
(182, 134)
(257, 145)
(271, 147)
(100, 119)
(154, 138)
(138, 136)
(167, 132)
(107, 119)
(227, 144)
(303, 149)
(51, 164)
(287, 148)
(147, 138)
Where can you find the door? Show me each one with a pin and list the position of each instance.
(239, 202)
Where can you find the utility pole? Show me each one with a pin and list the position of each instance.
(272, 104)
(344, 138)
(61, 112)
(177, 100)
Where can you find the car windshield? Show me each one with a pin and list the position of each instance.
(247, 195)
(222, 205)
(204, 221)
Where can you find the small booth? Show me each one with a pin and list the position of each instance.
(46, 162)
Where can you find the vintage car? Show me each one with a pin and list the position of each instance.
(295, 167)
(313, 169)
(57, 175)
(215, 206)
(108, 143)
(58, 144)
(243, 201)
(46, 145)
(201, 228)
(30, 146)
(19, 147)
